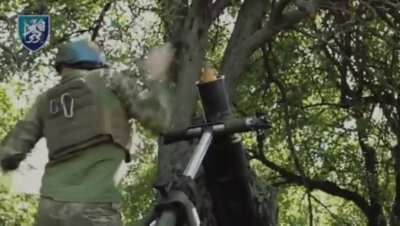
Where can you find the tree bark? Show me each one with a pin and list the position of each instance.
(190, 38)
(235, 59)
(188, 32)
(395, 219)
(375, 216)
(252, 30)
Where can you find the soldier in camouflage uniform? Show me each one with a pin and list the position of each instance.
(84, 119)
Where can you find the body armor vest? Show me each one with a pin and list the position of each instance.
(81, 112)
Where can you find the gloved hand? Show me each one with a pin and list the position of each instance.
(11, 162)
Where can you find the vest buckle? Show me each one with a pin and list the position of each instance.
(67, 102)
(54, 107)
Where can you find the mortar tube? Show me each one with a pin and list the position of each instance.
(214, 99)
(226, 159)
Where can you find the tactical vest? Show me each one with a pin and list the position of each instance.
(80, 112)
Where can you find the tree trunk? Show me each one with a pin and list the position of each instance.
(189, 34)
(235, 60)
(395, 218)
(235, 57)
(376, 216)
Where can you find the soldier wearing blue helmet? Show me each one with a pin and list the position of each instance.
(85, 120)
(80, 54)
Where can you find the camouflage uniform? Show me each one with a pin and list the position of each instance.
(57, 213)
(80, 185)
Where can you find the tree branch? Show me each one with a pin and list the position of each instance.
(249, 20)
(277, 8)
(396, 202)
(173, 14)
(326, 186)
(100, 19)
(310, 209)
(218, 7)
(288, 129)
(9, 51)
(334, 216)
(370, 161)
(282, 22)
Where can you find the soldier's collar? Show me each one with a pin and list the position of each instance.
(73, 74)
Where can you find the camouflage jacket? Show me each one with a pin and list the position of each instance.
(147, 102)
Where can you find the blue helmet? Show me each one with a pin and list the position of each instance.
(80, 52)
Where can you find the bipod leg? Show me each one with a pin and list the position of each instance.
(198, 155)
(168, 216)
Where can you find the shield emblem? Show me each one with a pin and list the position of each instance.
(34, 30)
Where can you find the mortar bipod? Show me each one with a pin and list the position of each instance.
(173, 201)
(225, 167)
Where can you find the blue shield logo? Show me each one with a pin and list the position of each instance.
(34, 30)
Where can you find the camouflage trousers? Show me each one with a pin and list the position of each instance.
(56, 213)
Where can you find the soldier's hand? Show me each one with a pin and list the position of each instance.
(158, 61)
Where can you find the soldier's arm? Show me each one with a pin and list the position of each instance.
(21, 139)
(152, 106)
(147, 101)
